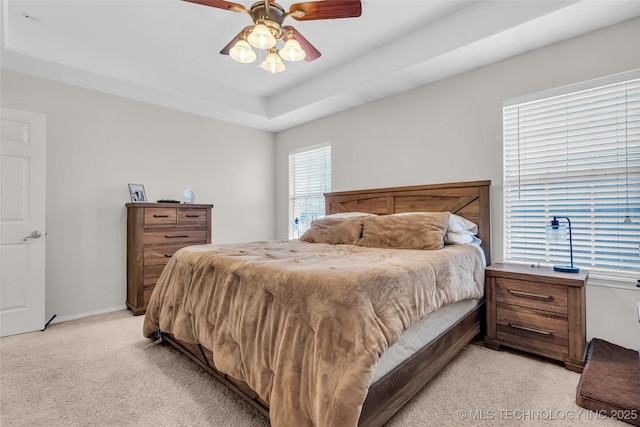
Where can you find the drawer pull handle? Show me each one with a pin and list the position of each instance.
(168, 255)
(529, 295)
(537, 331)
(175, 236)
(193, 216)
(160, 216)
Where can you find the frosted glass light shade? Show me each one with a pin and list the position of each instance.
(556, 232)
(242, 52)
(261, 37)
(292, 51)
(273, 63)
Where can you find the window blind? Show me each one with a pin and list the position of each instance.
(577, 155)
(309, 179)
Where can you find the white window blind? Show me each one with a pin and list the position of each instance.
(576, 155)
(309, 179)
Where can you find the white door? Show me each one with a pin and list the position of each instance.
(22, 221)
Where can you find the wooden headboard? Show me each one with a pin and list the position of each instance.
(467, 199)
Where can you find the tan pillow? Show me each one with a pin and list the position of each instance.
(334, 230)
(423, 230)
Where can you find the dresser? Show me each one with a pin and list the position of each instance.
(538, 310)
(155, 231)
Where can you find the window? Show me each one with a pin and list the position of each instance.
(575, 154)
(309, 179)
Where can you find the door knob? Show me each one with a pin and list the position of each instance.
(34, 235)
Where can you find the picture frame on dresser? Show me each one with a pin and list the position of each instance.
(137, 193)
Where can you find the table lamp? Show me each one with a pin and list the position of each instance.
(556, 231)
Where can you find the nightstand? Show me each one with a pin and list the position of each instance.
(538, 310)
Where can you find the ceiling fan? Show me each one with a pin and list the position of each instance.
(267, 29)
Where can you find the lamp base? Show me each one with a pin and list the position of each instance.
(566, 268)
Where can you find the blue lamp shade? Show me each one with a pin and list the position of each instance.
(556, 231)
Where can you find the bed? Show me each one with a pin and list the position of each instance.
(300, 330)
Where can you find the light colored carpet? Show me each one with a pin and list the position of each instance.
(101, 371)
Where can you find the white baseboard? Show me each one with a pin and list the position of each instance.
(59, 319)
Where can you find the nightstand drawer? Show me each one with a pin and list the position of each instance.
(531, 294)
(540, 331)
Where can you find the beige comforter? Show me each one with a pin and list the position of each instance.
(304, 324)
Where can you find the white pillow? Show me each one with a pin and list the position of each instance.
(458, 224)
(458, 238)
(461, 231)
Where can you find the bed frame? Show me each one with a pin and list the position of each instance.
(391, 392)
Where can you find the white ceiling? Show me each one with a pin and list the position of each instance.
(165, 52)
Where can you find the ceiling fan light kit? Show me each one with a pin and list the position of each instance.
(261, 37)
(291, 51)
(267, 29)
(242, 52)
(273, 63)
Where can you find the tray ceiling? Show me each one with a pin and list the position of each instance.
(166, 52)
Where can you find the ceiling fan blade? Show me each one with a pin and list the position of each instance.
(328, 9)
(225, 50)
(221, 4)
(311, 53)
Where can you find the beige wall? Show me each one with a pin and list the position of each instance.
(96, 144)
(612, 314)
(451, 130)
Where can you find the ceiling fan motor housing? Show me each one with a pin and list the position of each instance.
(270, 15)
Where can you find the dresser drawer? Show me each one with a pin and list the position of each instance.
(530, 294)
(147, 296)
(161, 254)
(152, 274)
(540, 331)
(157, 216)
(192, 216)
(175, 236)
